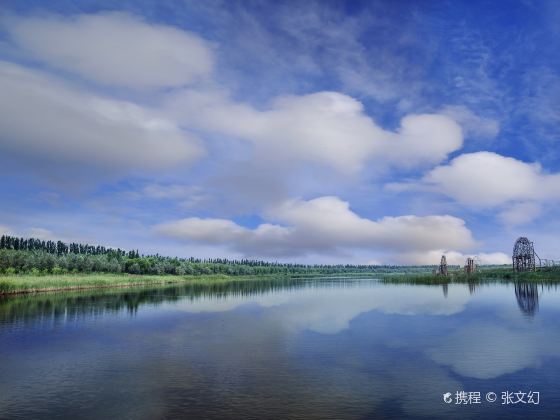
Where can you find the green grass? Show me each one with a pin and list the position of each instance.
(13, 284)
(32, 283)
(493, 274)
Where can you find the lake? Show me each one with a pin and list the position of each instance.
(313, 349)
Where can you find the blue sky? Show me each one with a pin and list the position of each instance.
(324, 132)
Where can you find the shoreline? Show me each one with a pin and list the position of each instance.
(17, 285)
(483, 276)
(35, 291)
(21, 285)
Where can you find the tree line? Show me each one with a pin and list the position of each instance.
(59, 247)
(35, 256)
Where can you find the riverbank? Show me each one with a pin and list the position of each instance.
(29, 284)
(548, 275)
(15, 284)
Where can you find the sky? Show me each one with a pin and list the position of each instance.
(375, 132)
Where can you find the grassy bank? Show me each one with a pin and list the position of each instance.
(483, 275)
(28, 283)
(11, 284)
(19, 284)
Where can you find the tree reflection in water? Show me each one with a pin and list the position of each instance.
(76, 305)
(63, 307)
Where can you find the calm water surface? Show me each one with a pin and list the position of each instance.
(308, 349)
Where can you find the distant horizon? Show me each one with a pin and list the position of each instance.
(253, 260)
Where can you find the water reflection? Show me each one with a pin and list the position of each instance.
(76, 305)
(527, 295)
(273, 349)
(321, 305)
(55, 307)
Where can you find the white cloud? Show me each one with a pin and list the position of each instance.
(486, 179)
(453, 257)
(520, 213)
(493, 258)
(115, 49)
(472, 124)
(329, 128)
(50, 121)
(324, 225)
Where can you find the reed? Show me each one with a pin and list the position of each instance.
(19, 284)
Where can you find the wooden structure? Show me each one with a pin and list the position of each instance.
(442, 270)
(524, 257)
(470, 266)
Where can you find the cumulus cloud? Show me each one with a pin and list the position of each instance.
(324, 225)
(329, 128)
(489, 179)
(48, 120)
(116, 49)
(473, 125)
(486, 179)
